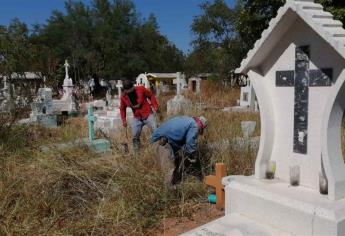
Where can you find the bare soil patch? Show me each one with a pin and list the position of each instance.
(175, 226)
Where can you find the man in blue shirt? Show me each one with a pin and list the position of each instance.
(178, 133)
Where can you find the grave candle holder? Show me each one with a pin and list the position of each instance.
(271, 169)
(323, 184)
(294, 175)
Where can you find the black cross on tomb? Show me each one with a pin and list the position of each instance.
(301, 79)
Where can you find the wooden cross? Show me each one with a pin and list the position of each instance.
(216, 182)
(301, 79)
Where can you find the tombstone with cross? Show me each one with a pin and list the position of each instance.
(67, 102)
(297, 70)
(179, 103)
(119, 87)
(67, 84)
(180, 83)
(99, 145)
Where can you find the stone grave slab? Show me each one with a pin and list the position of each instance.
(235, 225)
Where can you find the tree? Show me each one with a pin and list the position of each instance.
(106, 39)
(215, 40)
(253, 16)
(223, 36)
(336, 7)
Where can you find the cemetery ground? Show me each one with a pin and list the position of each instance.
(78, 192)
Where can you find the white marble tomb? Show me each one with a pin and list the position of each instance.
(297, 71)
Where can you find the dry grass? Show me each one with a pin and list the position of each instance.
(78, 192)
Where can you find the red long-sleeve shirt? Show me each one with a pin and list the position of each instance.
(145, 107)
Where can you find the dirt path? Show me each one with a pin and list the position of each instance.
(176, 226)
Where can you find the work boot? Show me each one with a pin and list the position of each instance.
(136, 144)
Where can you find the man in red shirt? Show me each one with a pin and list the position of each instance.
(143, 104)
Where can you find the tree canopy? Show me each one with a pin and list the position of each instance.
(223, 35)
(106, 39)
(110, 40)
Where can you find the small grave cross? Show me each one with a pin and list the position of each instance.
(66, 68)
(301, 79)
(91, 122)
(5, 83)
(119, 87)
(216, 182)
(177, 81)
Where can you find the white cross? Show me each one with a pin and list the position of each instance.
(5, 82)
(66, 68)
(119, 87)
(177, 81)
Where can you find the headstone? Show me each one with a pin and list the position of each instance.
(297, 70)
(42, 110)
(248, 128)
(194, 85)
(112, 83)
(108, 98)
(247, 97)
(180, 83)
(142, 80)
(179, 103)
(99, 145)
(110, 121)
(5, 96)
(119, 87)
(163, 87)
(67, 102)
(99, 105)
(247, 101)
(247, 141)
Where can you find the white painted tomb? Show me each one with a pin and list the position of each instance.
(5, 96)
(179, 103)
(142, 80)
(297, 71)
(194, 84)
(66, 103)
(247, 97)
(247, 102)
(181, 80)
(42, 110)
(110, 121)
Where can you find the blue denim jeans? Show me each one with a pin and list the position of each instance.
(137, 126)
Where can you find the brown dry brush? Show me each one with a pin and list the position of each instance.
(78, 192)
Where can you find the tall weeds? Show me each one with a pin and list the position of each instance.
(78, 192)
